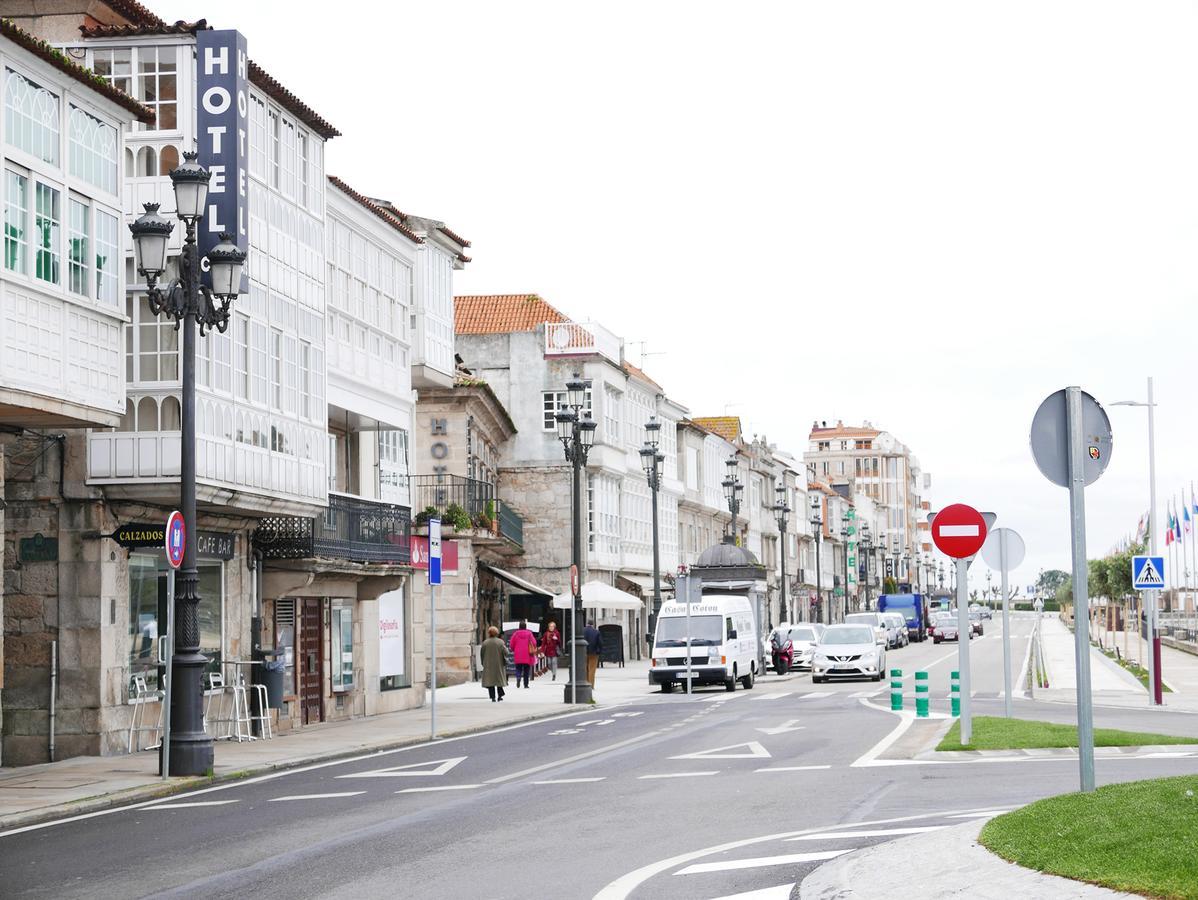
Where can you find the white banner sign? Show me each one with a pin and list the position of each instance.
(392, 658)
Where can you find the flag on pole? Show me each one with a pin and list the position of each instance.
(1193, 499)
(1185, 511)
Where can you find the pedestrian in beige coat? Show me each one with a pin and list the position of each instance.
(494, 656)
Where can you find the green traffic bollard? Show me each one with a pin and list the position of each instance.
(921, 694)
(955, 688)
(896, 690)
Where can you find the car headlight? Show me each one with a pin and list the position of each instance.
(820, 658)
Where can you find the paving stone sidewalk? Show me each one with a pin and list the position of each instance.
(32, 794)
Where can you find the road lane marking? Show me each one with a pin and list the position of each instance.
(578, 756)
(190, 805)
(777, 696)
(410, 770)
(906, 719)
(315, 796)
(783, 728)
(571, 780)
(983, 814)
(781, 892)
(676, 775)
(872, 832)
(626, 715)
(621, 888)
(440, 787)
(758, 862)
(755, 751)
(792, 769)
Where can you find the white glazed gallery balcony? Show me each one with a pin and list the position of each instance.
(243, 462)
(582, 339)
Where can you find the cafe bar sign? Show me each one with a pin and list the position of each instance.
(137, 536)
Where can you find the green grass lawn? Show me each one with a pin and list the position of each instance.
(998, 733)
(1136, 837)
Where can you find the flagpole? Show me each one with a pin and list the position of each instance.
(1193, 540)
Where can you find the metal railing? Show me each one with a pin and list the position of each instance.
(582, 338)
(443, 491)
(363, 531)
(1179, 624)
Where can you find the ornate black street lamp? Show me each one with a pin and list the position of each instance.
(867, 550)
(844, 541)
(651, 461)
(190, 304)
(817, 526)
(576, 431)
(732, 490)
(781, 511)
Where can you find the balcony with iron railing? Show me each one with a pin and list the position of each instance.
(445, 494)
(352, 528)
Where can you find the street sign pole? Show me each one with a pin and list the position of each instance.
(434, 579)
(1006, 631)
(963, 634)
(1081, 599)
(1154, 642)
(689, 675)
(170, 665)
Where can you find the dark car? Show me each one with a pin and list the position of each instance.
(944, 628)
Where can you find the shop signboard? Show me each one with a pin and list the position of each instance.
(391, 634)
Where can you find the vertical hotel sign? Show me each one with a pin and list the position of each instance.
(222, 70)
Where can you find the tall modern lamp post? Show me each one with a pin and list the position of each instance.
(817, 527)
(844, 540)
(651, 461)
(1154, 641)
(190, 304)
(781, 511)
(576, 431)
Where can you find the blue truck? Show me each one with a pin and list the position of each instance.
(913, 608)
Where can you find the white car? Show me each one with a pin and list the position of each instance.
(803, 638)
(848, 651)
(874, 620)
(897, 630)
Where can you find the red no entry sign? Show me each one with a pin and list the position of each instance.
(959, 531)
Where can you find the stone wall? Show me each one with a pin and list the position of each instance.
(457, 622)
(543, 497)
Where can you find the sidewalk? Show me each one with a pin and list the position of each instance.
(32, 794)
(1179, 669)
(1110, 683)
(962, 868)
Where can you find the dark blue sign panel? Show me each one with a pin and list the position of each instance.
(222, 70)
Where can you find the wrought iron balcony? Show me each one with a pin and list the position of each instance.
(352, 528)
(443, 491)
(511, 524)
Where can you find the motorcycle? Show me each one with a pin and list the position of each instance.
(783, 652)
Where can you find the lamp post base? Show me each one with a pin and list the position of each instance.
(578, 689)
(583, 692)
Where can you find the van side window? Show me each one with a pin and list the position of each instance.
(728, 626)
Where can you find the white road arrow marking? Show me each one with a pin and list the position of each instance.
(869, 832)
(316, 796)
(567, 731)
(411, 770)
(192, 804)
(753, 750)
(781, 892)
(626, 715)
(783, 728)
(789, 859)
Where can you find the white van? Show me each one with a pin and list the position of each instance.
(723, 641)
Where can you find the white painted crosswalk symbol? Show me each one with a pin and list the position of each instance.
(1147, 572)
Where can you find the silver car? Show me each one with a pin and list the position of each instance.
(803, 638)
(848, 651)
(897, 635)
(872, 619)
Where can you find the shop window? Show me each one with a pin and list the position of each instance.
(343, 648)
(392, 641)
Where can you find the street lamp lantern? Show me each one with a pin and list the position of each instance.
(576, 392)
(565, 423)
(191, 304)
(190, 181)
(652, 430)
(586, 430)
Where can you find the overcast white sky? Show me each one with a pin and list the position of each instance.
(930, 215)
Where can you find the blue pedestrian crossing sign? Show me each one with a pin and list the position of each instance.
(1147, 573)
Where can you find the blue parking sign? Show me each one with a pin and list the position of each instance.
(434, 551)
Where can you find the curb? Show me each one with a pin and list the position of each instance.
(160, 791)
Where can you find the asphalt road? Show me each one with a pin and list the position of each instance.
(623, 802)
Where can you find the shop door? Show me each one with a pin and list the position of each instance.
(311, 673)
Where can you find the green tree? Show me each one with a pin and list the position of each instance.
(1064, 592)
(1050, 580)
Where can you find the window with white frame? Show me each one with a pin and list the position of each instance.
(258, 137)
(77, 247)
(275, 138)
(47, 227)
(393, 466)
(151, 344)
(149, 74)
(258, 356)
(552, 400)
(108, 257)
(31, 117)
(303, 169)
(611, 416)
(93, 150)
(276, 369)
(16, 216)
(241, 356)
(288, 157)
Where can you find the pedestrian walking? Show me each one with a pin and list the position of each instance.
(594, 648)
(494, 655)
(524, 652)
(550, 645)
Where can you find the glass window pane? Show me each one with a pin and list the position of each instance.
(31, 117)
(48, 227)
(16, 211)
(77, 249)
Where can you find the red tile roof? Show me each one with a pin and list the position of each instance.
(289, 101)
(727, 427)
(133, 11)
(636, 372)
(86, 76)
(842, 430)
(454, 237)
(500, 313)
(383, 214)
(138, 30)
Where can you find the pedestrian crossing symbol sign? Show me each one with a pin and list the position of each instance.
(1147, 573)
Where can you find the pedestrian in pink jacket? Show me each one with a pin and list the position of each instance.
(524, 652)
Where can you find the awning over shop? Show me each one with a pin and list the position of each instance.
(515, 580)
(644, 582)
(596, 594)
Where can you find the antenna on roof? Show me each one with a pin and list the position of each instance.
(644, 352)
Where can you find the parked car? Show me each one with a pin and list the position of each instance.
(803, 637)
(896, 630)
(912, 607)
(944, 628)
(873, 620)
(848, 651)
